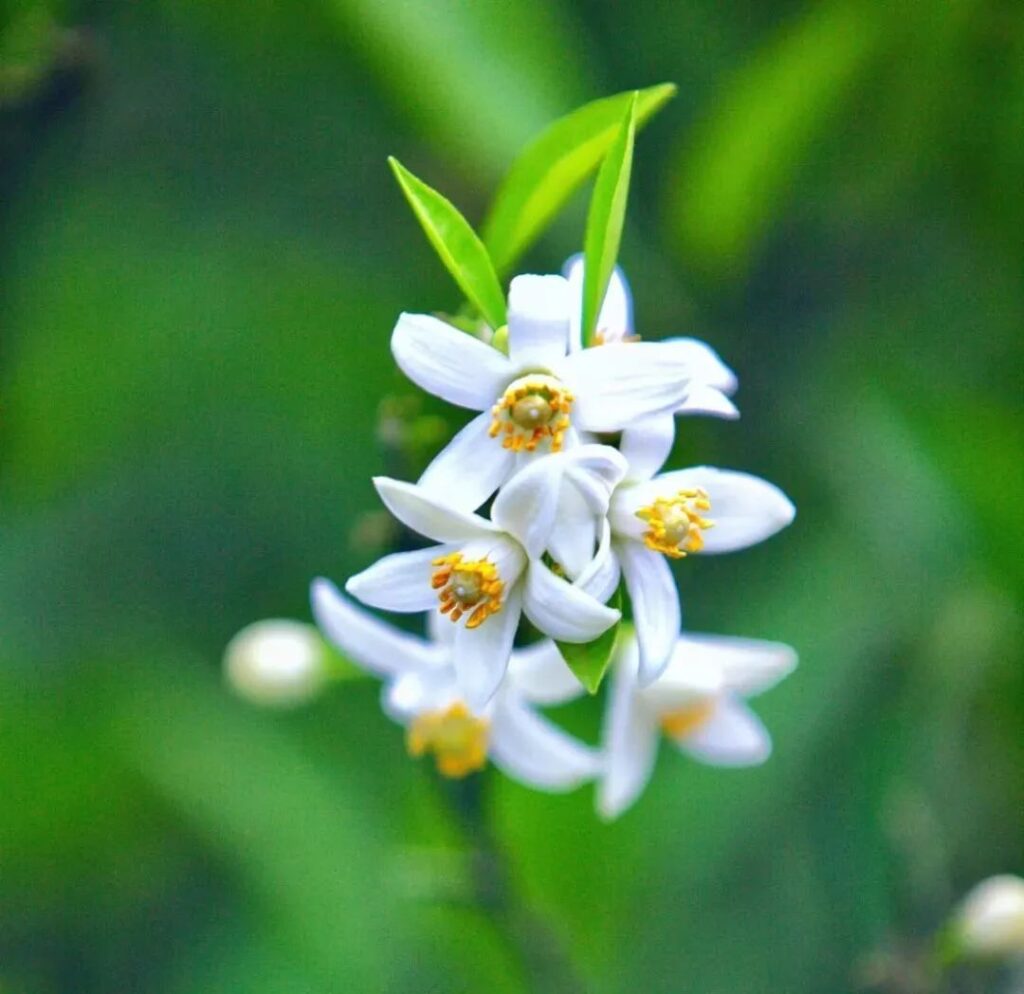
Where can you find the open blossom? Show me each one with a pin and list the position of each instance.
(699, 703)
(423, 694)
(671, 516)
(990, 922)
(484, 574)
(537, 398)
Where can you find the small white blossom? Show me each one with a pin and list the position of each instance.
(484, 574)
(699, 703)
(537, 398)
(276, 663)
(422, 693)
(673, 515)
(990, 923)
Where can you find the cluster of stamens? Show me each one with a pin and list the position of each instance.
(456, 737)
(532, 409)
(686, 720)
(675, 524)
(470, 587)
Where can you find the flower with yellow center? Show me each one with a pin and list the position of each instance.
(698, 703)
(485, 574)
(538, 397)
(422, 693)
(677, 514)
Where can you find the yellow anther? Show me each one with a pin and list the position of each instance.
(533, 409)
(456, 737)
(675, 525)
(466, 587)
(686, 720)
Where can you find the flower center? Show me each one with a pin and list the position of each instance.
(533, 408)
(467, 587)
(686, 720)
(456, 737)
(675, 524)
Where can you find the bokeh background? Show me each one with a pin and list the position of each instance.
(202, 257)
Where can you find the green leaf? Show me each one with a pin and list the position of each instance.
(605, 219)
(551, 168)
(589, 660)
(456, 243)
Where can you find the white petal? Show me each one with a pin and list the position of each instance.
(374, 645)
(745, 509)
(415, 692)
(572, 541)
(615, 319)
(748, 666)
(481, 654)
(573, 272)
(540, 675)
(616, 384)
(647, 443)
(652, 591)
(596, 470)
(399, 582)
(441, 631)
(732, 736)
(601, 575)
(535, 751)
(561, 610)
(526, 506)
(429, 514)
(708, 400)
(469, 468)
(538, 319)
(705, 365)
(629, 740)
(449, 363)
(687, 680)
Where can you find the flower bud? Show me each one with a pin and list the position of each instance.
(990, 923)
(276, 663)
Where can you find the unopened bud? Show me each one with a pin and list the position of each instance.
(990, 923)
(276, 663)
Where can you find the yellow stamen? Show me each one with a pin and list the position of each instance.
(467, 587)
(534, 409)
(456, 737)
(686, 720)
(675, 524)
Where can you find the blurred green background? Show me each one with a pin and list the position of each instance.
(202, 257)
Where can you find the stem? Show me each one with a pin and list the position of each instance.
(546, 966)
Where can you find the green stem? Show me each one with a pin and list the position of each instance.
(546, 966)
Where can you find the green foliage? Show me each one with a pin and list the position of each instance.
(605, 219)
(590, 660)
(457, 244)
(551, 168)
(745, 157)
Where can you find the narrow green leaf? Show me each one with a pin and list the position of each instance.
(456, 243)
(605, 219)
(589, 660)
(551, 168)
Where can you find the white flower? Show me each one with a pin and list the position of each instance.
(647, 442)
(423, 694)
(276, 663)
(698, 703)
(686, 511)
(484, 574)
(535, 399)
(990, 923)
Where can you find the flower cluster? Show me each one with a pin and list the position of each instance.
(551, 506)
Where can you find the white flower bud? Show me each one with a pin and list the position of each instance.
(990, 923)
(276, 663)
